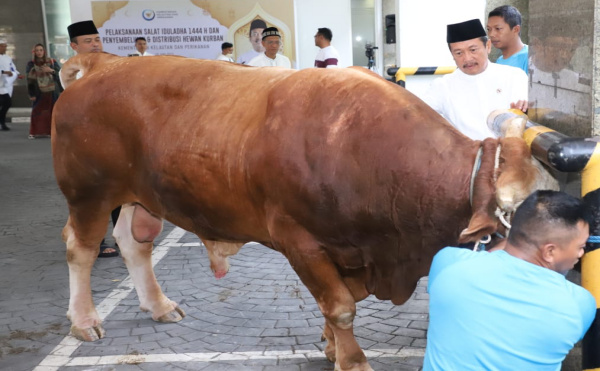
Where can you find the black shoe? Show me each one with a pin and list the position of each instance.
(4, 128)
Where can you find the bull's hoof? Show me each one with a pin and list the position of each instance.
(175, 315)
(89, 333)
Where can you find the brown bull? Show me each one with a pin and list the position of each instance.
(356, 181)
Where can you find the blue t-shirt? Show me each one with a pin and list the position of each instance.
(493, 311)
(519, 59)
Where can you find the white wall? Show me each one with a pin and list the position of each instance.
(421, 27)
(310, 15)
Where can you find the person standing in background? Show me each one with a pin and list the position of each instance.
(8, 75)
(226, 52)
(504, 30)
(272, 43)
(328, 56)
(141, 47)
(43, 88)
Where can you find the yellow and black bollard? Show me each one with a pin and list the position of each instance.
(572, 155)
(400, 73)
(590, 264)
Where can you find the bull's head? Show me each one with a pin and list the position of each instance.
(508, 174)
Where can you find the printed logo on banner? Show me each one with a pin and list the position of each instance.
(148, 14)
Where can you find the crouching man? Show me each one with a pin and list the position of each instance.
(512, 309)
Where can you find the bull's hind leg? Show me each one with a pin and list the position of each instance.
(82, 234)
(335, 300)
(135, 232)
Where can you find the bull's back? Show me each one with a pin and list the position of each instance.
(358, 148)
(168, 132)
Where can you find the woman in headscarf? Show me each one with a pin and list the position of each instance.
(43, 87)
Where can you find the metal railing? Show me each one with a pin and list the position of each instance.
(400, 73)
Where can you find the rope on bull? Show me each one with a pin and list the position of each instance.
(483, 241)
(504, 217)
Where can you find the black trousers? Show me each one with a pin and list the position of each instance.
(114, 215)
(5, 103)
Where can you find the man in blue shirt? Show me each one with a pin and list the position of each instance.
(512, 309)
(504, 30)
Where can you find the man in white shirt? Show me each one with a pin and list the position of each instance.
(8, 75)
(271, 41)
(327, 57)
(468, 95)
(85, 39)
(141, 47)
(256, 29)
(226, 52)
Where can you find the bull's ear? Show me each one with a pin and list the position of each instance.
(481, 224)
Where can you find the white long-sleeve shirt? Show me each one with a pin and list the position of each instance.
(467, 100)
(6, 82)
(146, 54)
(262, 60)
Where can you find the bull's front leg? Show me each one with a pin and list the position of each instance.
(82, 236)
(335, 300)
(135, 232)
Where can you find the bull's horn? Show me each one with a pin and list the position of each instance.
(507, 123)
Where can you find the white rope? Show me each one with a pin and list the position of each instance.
(474, 172)
(504, 217)
(483, 241)
(497, 162)
(501, 214)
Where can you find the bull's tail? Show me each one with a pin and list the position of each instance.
(83, 63)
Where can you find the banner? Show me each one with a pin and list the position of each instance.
(193, 28)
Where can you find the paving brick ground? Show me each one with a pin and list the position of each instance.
(260, 307)
(259, 317)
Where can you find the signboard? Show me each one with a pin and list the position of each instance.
(192, 28)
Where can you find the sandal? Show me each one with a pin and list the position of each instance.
(104, 254)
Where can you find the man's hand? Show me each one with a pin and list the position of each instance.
(520, 105)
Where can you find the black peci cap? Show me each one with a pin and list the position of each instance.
(271, 31)
(463, 31)
(82, 28)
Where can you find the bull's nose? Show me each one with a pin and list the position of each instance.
(507, 201)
